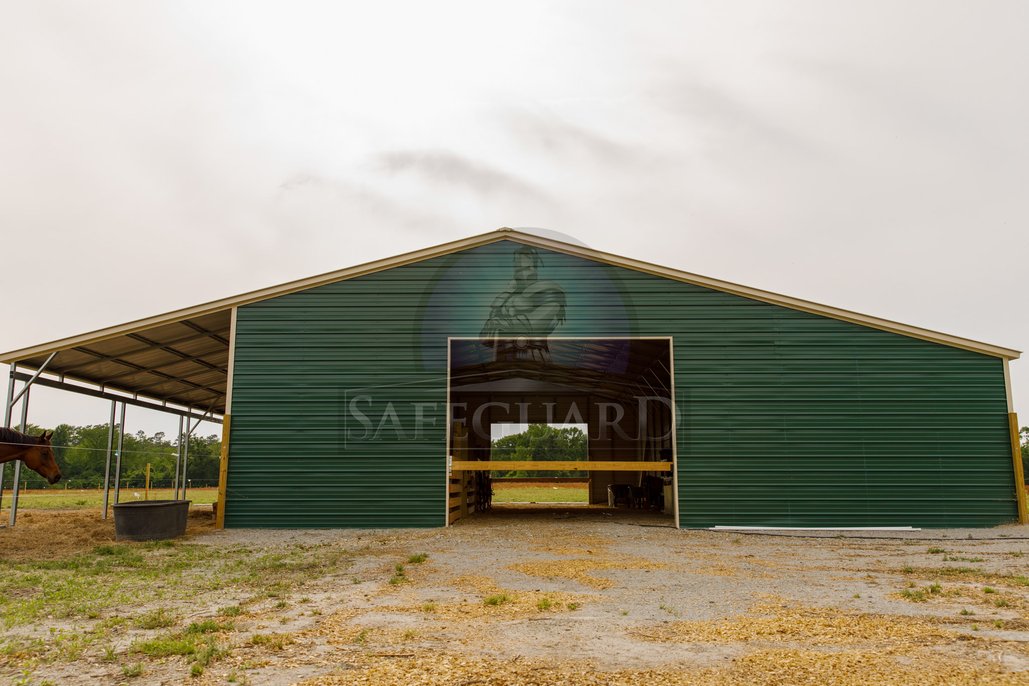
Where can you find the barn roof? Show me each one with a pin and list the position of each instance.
(182, 356)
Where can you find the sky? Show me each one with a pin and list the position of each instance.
(868, 155)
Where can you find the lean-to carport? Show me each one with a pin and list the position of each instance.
(176, 363)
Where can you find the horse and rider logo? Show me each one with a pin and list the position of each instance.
(524, 314)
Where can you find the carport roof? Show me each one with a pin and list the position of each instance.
(182, 357)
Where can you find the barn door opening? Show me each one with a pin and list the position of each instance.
(563, 422)
(530, 485)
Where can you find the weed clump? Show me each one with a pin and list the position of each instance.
(271, 641)
(155, 619)
(132, 671)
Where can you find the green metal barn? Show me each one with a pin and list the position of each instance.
(365, 397)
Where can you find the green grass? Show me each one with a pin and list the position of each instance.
(920, 595)
(535, 493)
(90, 590)
(271, 641)
(498, 599)
(132, 671)
(155, 619)
(398, 575)
(208, 626)
(166, 646)
(77, 499)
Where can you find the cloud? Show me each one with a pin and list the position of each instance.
(558, 137)
(729, 119)
(453, 170)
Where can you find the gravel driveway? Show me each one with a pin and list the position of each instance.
(582, 595)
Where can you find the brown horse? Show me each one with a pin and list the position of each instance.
(34, 451)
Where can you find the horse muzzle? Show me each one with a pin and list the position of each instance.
(54, 479)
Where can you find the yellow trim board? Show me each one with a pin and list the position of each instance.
(223, 472)
(561, 465)
(528, 239)
(1016, 461)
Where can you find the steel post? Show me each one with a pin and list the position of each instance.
(117, 458)
(185, 457)
(32, 379)
(9, 407)
(17, 463)
(178, 461)
(107, 462)
(7, 423)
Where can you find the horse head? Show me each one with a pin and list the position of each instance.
(40, 458)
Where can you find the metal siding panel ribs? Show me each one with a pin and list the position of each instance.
(786, 418)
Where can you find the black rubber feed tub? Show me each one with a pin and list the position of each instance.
(150, 520)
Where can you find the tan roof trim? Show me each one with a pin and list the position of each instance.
(490, 237)
(775, 298)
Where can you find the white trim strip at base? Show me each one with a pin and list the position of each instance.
(814, 529)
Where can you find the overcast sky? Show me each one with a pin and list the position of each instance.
(867, 155)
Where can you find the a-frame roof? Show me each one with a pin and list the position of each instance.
(182, 356)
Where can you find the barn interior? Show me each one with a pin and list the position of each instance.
(619, 389)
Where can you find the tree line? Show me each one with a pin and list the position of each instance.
(1023, 434)
(540, 442)
(81, 452)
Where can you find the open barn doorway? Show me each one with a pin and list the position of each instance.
(539, 441)
(583, 424)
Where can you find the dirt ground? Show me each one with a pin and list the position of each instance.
(60, 534)
(573, 595)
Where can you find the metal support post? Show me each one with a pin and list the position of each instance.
(185, 447)
(185, 457)
(10, 397)
(117, 459)
(32, 379)
(178, 461)
(17, 463)
(107, 462)
(7, 423)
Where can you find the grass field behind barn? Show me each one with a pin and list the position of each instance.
(540, 492)
(75, 498)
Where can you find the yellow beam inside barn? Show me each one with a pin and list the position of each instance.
(554, 466)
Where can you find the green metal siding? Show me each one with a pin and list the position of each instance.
(785, 418)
